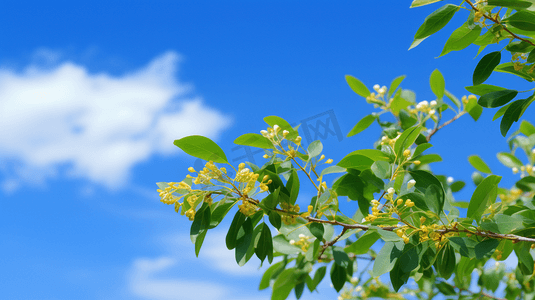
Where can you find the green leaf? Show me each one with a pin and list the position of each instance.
(416, 3)
(437, 84)
(501, 112)
(497, 99)
(362, 125)
(485, 247)
(526, 184)
(509, 160)
(264, 244)
(461, 38)
(531, 57)
(283, 124)
(524, 20)
(457, 186)
(275, 219)
(201, 147)
(446, 288)
(453, 99)
(479, 164)
(293, 186)
(314, 149)
(317, 230)
(332, 169)
(381, 169)
(482, 89)
(338, 276)
(284, 284)
(527, 128)
(511, 115)
(484, 195)
(421, 148)
(235, 226)
(434, 22)
(524, 257)
(485, 67)
(198, 241)
(406, 139)
(519, 46)
(384, 262)
(243, 241)
(254, 140)
(510, 68)
(507, 224)
(394, 85)
(357, 86)
(446, 261)
(363, 244)
(429, 158)
(264, 283)
(318, 277)
(340, 257)
(281, 245)
(473, 109)
(514, 4)
(433, 198)
(424, 180)
(373, 154)
(356, 161)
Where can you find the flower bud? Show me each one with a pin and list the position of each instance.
(391, 191)
(297, 140)
(276, 128)
(330, 160)
(417, 162)
(449, 179)
(407, 153)
(191, 169)
(433, 103)
(376, 87)
(515, 170)
(411, 184)
(285, 133)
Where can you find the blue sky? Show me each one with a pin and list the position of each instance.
(92, 96)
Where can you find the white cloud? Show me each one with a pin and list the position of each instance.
(95, 126)
(144, 283)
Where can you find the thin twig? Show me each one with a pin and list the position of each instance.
(444, 124)
(499, 23)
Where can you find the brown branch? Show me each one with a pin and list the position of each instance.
(495, 20)
(327, 244)
(444, 124)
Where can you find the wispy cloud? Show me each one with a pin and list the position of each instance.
(94, 126)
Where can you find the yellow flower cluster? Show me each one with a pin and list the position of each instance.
(375, 211)
(302, 242)
(289, 219)
(247, 208)
(209, 172)
(391, 142)
(425, 107)
(465, 99)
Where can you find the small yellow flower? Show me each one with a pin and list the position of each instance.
(407, 153)
(417, 162)
(329, 161)
(191, 169)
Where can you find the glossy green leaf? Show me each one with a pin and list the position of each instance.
(416, 3)
(461, 38)
(340, 257)
(424, 180)
(332, 169)
(199, 240)
(526, 184)
(511, 115)
(363, 244)
(406, 139)
(394, 85)
(373, 154)
(457, 186)
(485, 248)
(264, 244)
(254, 140)
(434, 22)
(293, 186)
(482, 89)
(497, 99)
(284, 284)
(500, 112)
(484, 195)
(514, 4)
(446, 261)
(429, 158)
(362, 125)
(437, 83)
(243, 241)
(509, 160)
(201, 147)
(338, 276)
(531, 57)
(318, 277)
(506, 224)
(510, 68)
(485, 67)
(421, 148)
(479, 164)
(524, 20)
(519, 46)
(235, 226)
(317, 230)
(357, 86)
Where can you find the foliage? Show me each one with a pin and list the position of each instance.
(407, 222)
